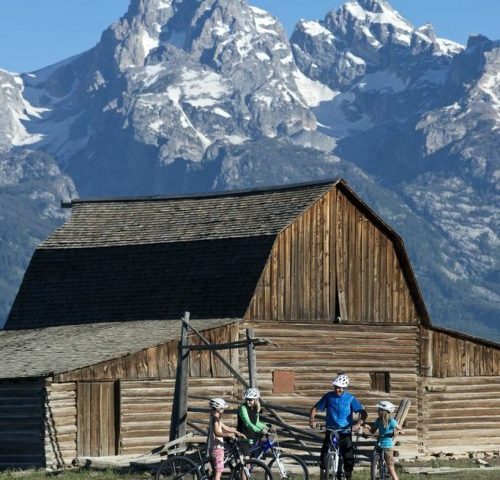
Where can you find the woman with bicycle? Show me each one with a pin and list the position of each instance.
(340, 406)
(249, 423)
(387, 428)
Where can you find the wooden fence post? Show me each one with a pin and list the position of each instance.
(252, 363)
(179, 407)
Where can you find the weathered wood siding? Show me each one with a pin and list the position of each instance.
(448, 355)
(22, 423)
(333, 260)
(60, 424)
(317, 354)
(462, 414)
(142, 400)
(158, 362)
(146, 408)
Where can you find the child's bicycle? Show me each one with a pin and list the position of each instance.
(182, 467)
(333, 461)
(283, 465)
(378, 465)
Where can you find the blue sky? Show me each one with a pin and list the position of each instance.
(36, 33)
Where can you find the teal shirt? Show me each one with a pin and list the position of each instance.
(385, 438)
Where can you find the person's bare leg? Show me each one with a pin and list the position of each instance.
(392, 471)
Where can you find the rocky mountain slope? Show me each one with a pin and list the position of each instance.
(197, 95)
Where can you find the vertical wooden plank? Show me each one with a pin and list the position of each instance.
(294, 250)
(395, 287)
(288, 261)
(87, 411)
(281, 276)
(301, 281)
(313, 261)
(325, 263)
(151, 358)
(306, 261)
(333, 253)
(376, 275)
(275, 279)
(370, 274)
(357, 274)
(383, 278)
(103, 429)
(94, 419)
(267, 291)
(341, 257)
(365, 285)
(390, 280)
(350, 243)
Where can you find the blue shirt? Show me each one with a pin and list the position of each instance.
(339, 409)
(386, 440)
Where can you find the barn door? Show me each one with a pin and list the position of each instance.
(96, 419)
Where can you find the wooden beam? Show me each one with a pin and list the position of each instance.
(179, 407)
(229, 346)
(252, 367)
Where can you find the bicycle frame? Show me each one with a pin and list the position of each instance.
(268, 445)
(334, 446)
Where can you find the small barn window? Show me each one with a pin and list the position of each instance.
(380, 382)
(283, 382)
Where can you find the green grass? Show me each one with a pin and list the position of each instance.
(83, 474)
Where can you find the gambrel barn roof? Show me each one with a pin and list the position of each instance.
(154, 258)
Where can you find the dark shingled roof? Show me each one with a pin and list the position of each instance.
(154, 258)
(140, 221)
(44, 351)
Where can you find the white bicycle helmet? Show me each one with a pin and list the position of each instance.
(387, 406)
(218, 403)
(341, 380)
(252, 393)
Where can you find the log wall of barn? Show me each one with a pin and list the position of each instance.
(22, 423)
(462, 414)
(60, 424)
(460, 388)
(315, 353)
(334, 260)
(146, 407)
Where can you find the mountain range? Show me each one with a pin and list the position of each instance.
(183, 96)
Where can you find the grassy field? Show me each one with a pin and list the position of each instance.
(480, 474)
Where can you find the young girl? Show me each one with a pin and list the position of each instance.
(387, 427)
(217, 431)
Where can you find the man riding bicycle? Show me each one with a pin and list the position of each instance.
(340, 406)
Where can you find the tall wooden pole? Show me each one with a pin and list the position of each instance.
(179, 407)
(252, 361)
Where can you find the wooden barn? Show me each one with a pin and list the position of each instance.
(90, 348)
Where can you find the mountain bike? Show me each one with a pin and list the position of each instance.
(183, 467)
(283, 465)
(333, 461)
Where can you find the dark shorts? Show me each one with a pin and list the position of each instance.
(246, 447)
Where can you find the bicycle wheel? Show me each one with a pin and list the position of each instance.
(253, 470)
(377, 467)
(177, 467)
(288, 467)
(332, 465)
